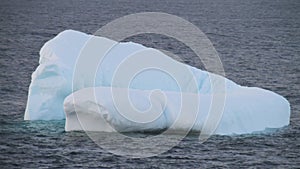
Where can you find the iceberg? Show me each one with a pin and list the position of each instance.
(88, 104)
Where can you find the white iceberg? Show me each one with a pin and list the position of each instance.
(246, 109)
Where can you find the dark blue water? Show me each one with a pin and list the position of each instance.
(258, 42)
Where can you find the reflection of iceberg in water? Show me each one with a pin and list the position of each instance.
(246, 109)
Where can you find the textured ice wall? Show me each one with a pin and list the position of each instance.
(246, 110)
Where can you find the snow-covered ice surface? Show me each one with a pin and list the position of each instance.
(246, 109)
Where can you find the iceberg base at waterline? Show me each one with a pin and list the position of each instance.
(52, 95)
(245, 111)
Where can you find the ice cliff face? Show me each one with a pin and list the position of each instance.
(50, 93)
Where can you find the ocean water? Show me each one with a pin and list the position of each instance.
(258, 42)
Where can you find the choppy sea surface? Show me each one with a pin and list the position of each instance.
(258, 42)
